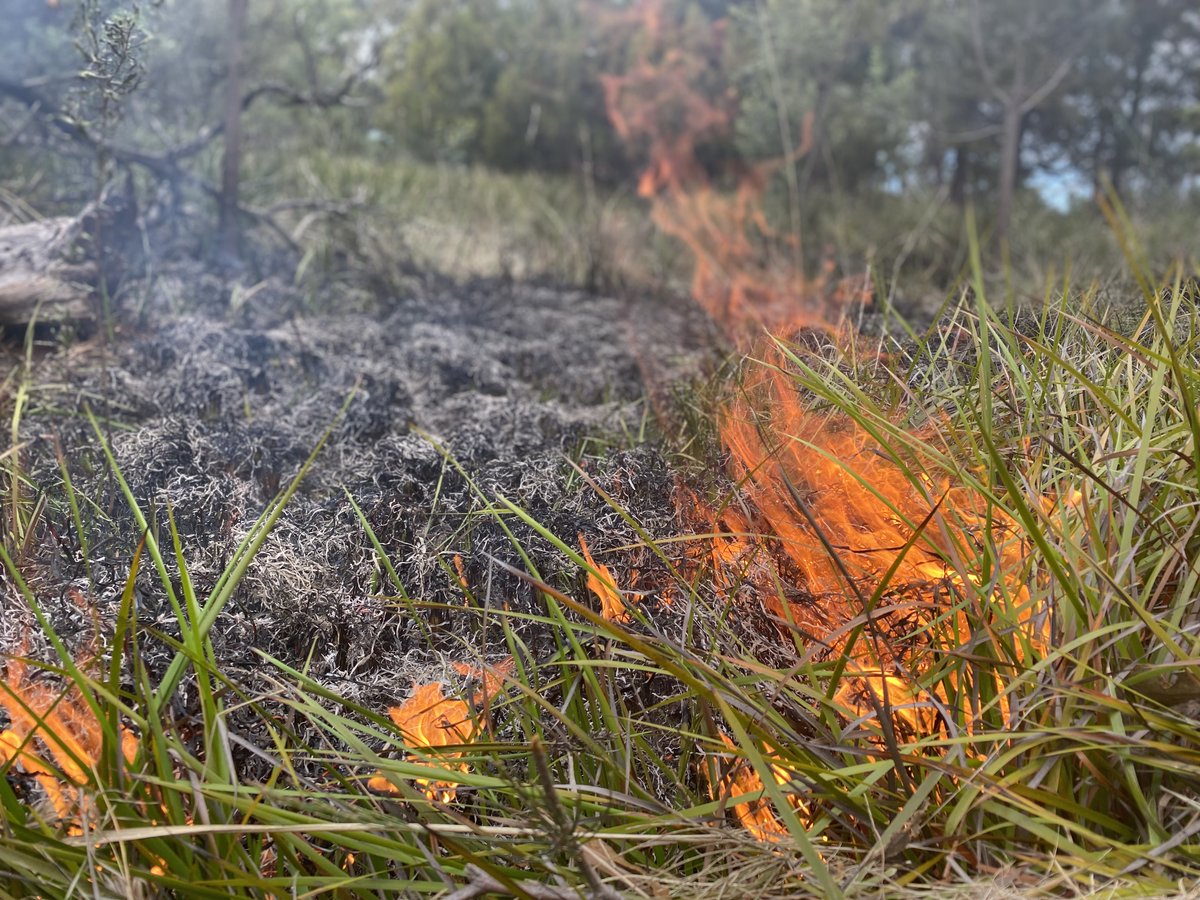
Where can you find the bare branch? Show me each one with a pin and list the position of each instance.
(1049, 86)
(981, 60)
(163, 166)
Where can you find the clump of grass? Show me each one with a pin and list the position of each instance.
(472, 222)
(1056, 761)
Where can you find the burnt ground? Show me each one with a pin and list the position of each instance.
(211, 407)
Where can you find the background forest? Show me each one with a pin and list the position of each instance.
(472, 134)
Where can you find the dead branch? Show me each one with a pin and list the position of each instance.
(167, 166)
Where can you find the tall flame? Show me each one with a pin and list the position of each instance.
(830, 508)
(667, 105)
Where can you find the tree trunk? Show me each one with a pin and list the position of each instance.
(1010, 158)
(1127, 131)
(231, 162)
(960, 179)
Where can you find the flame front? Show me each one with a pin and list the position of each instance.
(827, 510)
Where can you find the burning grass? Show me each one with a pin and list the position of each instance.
(936, 625)
(1001, 684)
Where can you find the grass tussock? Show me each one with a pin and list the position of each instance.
(472, 222)
(1044, 737)
(399, 215)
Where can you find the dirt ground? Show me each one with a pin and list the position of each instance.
(213, 397)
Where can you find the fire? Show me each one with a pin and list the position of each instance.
(665, 103)
(756, 815)
(827, 509)
(601, 583)
(68, 730)
(429, 720)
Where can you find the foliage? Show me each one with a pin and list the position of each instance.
(110, 45)
(452, 56)
(1128, 111)
(842, 63)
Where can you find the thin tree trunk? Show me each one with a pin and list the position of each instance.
(1010, 158)
(1128, 129)
(959, 181)
(231, 162)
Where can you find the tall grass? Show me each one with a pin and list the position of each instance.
(468, 222)
(1062, 758)
(471, 222)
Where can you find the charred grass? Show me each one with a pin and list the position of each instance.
(1043, 739)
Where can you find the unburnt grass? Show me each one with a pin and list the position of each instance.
(227, 613)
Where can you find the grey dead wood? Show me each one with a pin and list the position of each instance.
(38, 276)
(51, 269)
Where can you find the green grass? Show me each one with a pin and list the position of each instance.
(468, 222)
(1061, 766)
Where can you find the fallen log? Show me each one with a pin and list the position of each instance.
(36, 277)
(50, 270)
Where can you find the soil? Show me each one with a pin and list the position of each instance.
(213, 396)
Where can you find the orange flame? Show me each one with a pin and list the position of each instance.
(601, 583)
(827, 509)
(757, 816)
(65, 726)
(667, 103)
(429, 720)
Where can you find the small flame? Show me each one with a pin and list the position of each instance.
(429, 720)
(461, 571)
(601, 583)
(757, 816)
(68, 730)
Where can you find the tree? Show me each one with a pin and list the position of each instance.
(985, 67)
(450, 54)
(231, 162)
(1124, 113)
(840, 62)
(186, 102)
(546, 109)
